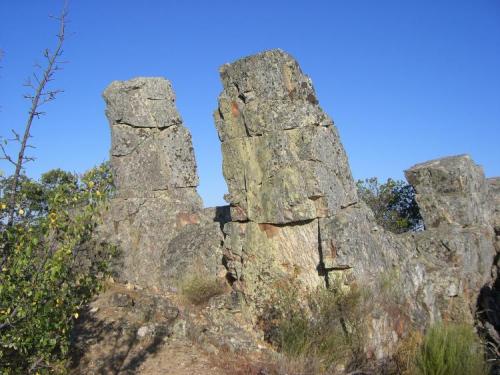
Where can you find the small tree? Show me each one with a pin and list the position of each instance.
(55, 267)
(51, 263)
(393, 204)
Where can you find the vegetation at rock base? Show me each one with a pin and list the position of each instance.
(197, 288)
(446, 349)
(326, 331)
(393, 204)
(53, 266)
(451, 349)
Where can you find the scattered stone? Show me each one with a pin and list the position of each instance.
(121, 300)
(144, 331)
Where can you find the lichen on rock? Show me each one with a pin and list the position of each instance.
(156, 204)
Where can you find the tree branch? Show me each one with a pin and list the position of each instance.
(36, 101)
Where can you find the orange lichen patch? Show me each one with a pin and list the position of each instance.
(321, 206)
(400, 326)
(332, 250)
(235, 111)
(270, 229)
(185, 218)
(287, 78)
(238, 213)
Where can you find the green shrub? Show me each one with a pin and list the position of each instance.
(393, 204)
(197, 289)
(43, 282)
(329, 329)
(451, 349)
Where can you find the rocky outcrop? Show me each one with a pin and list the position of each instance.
(157, 212)
(489, 300)
(451, 190)
(294, 215)
(454, 199)
(494, 189)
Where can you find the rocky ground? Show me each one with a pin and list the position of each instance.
(126, 330)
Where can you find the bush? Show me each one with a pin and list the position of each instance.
(43, 282)
(198, 289)
(328, 331)
(393, 204)
(451, 349)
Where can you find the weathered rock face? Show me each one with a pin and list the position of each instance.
(150, 148)
(451, 190)
(283, 160)
(156, 204)
(455, 202)
(489, 301)
(494, 188)
(285, 167)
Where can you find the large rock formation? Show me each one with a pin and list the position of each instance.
(294, 214)
(157, 216)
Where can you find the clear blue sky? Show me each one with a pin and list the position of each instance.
(404, 81)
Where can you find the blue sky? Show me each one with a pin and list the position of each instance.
(404, 81)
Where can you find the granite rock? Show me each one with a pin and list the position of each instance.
(156, 217)
(450, 190)
(294, 215)
(282, 156)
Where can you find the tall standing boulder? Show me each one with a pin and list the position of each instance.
(283, 160)
(284, 166)
(156, 202)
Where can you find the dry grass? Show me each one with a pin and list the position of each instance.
(328, 332)
(407, 352)
(302, 365)
(197, 289)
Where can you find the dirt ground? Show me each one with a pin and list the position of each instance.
(125, 331)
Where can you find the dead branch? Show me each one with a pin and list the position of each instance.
(40, 96)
